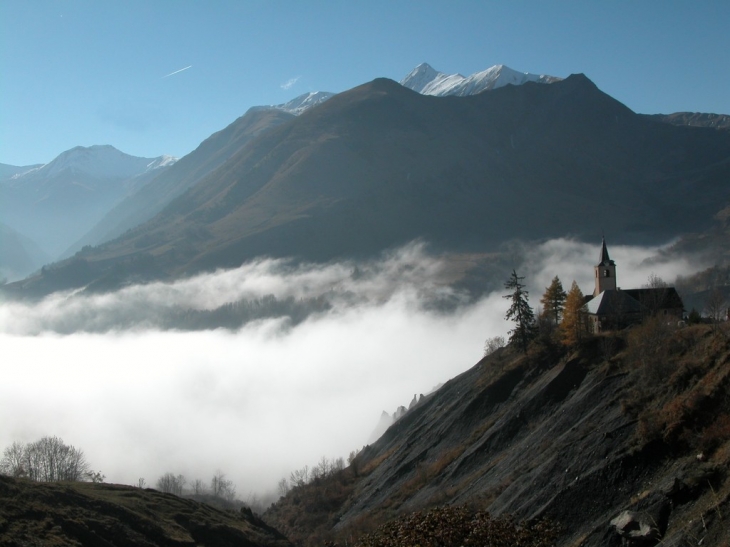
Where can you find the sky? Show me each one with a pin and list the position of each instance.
(153, 78)
(272, 397)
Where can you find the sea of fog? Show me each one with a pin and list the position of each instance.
(109, 375)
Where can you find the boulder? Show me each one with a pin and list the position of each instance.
(637, 527)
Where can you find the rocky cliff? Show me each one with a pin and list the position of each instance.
(627, 434)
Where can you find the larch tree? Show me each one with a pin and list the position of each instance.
(519, 312)
(573, 327)
(553, 301)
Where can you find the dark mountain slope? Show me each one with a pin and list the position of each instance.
(576, 438)
(380, 165)
(111, 515)
(211, 154)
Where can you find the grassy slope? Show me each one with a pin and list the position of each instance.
(111, 515)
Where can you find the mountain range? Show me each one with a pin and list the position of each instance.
(221, 145)
(37, 209)
(381, 164)
(426, 80)
(54, 204)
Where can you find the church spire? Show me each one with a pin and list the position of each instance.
(605, 260)
(605, 271)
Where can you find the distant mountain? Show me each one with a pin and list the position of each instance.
(211, 154)
(694, 119)
(9, 171)
(19, 255)
(381, 165)
(427, 81)
(140, 208)
(54, 204)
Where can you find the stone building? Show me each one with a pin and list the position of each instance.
(611, 308)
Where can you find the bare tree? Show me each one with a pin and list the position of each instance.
(141, 483)
(48, 459)
(12, 463)
(283, 487)
(654, 299)
(300, 477)
(171, 484)
(198, 487)
(493, 344)
(221, 487)
(716, 307)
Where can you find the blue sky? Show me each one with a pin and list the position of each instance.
(82, 72)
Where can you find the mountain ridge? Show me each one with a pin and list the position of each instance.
(55, 203)
(426, 80)
(380, 165)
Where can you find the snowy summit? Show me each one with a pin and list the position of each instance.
(425, 80)
(102, 161)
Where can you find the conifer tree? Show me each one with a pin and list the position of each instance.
(573, 326)
(520, 312)
(553, 301)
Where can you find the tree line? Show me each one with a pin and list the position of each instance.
(219, 486)
(564, 313)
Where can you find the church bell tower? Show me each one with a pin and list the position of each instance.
(605, 272)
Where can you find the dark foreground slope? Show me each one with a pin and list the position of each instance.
(637, 421)
(110, 515)
(379, 165)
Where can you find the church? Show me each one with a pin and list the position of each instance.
(610, 308)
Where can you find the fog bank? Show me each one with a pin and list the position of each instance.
(275, 394)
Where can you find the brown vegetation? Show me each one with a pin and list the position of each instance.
(456, 527)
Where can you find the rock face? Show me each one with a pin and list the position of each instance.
(577, 437)
(635, 526)
(111, 515)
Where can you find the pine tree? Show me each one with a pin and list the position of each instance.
(573, 326)
(553, 301)
(520, 312)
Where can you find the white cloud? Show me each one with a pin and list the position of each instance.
(290, 83)
(273, 395)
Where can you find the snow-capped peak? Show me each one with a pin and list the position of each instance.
(161, 161)
(299, 104)
(426, 80)
(100, 161)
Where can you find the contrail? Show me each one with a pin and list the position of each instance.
(171, 73)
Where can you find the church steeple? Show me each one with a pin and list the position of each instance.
(605, 271)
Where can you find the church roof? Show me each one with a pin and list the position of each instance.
(613, 302)
(604, 259)
(657, 299)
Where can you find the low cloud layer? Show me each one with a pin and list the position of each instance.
(274, 394)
